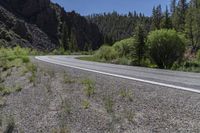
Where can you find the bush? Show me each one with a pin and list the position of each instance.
(188, 66)
(123, 61)
(25, 59)
(165, 47)
(106, 53)
(123, 47)
(198, 55)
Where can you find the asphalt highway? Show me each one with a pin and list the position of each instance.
(184, 81)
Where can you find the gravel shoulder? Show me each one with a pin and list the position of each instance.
(58, 100)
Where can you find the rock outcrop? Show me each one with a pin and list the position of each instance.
(38, 24)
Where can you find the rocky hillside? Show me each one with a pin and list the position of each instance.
(38, 24)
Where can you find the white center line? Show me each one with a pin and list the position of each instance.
(47, 59)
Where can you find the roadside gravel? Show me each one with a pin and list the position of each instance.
(54, 104)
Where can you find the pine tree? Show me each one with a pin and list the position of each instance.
(65, 37)
(195, 3)
(73, 42)
(166, 21)
(178, 17)
(140, 44)
(173, 6)
(192, 25)
(156, 17)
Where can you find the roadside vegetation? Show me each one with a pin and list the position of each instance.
(166, 40)
(165, 49)
(11, 58)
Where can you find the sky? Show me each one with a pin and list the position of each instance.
(87, 7)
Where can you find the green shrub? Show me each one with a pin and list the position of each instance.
(25, 59)
(31, 67)
(13, 57)
(6, 91)
(18, 51)
(60, 51)
(123, 47)
(165, 47)
(188, 66)
(18, 88)
(106, 53)
(198, 55)
(123, 60)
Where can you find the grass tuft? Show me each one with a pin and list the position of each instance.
(89, 87)
(86, 104)
(124, 93)
(109, 103)
(67, 79)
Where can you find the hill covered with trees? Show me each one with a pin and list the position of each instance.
(180, 15)
(44, 25)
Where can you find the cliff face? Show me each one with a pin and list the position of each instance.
(38, 24)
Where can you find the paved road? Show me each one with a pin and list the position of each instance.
(173, 79)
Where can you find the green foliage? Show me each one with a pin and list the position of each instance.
(166, 21)
(188, 66)
(178, 15)
(192, 26)
(13, 57)
(129, 115)
(124, 93)
(166, 47)
(25, 59)
(138, 48)
(86, 104)
(18, 88)
(31, 67)
(198, 55)
(65, 37)
(89, 87)
(156, 17)
(123, 47)
(6, 90)
(115, 26)
(123, 61)
(106, 53)
(10, 126)
(60, 51)
(67, 79)
(2, 103)
(109, 103)
(67, 106)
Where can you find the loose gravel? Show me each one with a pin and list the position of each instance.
(51, 104)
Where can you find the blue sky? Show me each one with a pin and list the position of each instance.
(86, 7)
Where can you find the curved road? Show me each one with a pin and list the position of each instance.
(173, 79)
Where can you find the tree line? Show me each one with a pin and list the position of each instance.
(169, 39)
(181, 15)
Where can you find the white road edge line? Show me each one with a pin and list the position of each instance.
(116, 75)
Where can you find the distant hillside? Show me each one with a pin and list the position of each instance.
(39, 24)
(115, 26)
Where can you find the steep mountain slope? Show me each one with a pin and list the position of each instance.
(38, 24)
